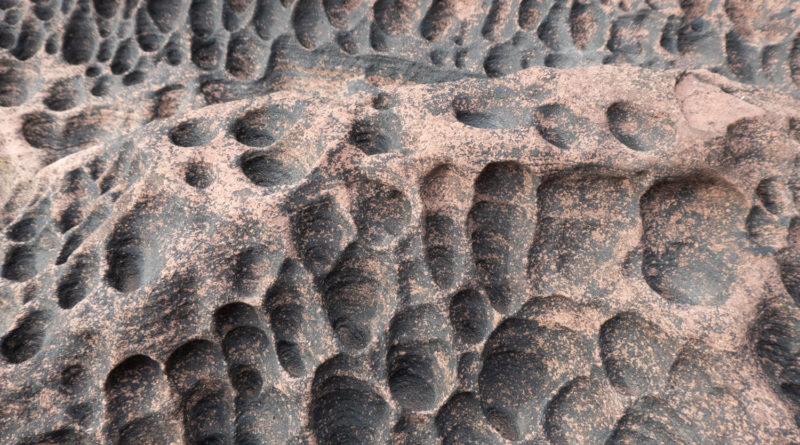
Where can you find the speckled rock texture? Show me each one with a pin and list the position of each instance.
(409, 222)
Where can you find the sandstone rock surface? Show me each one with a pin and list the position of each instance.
(406, 222)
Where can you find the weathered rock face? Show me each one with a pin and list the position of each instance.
(74, 73)
(407, 222)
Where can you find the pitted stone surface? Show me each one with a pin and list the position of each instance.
(406, 222)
